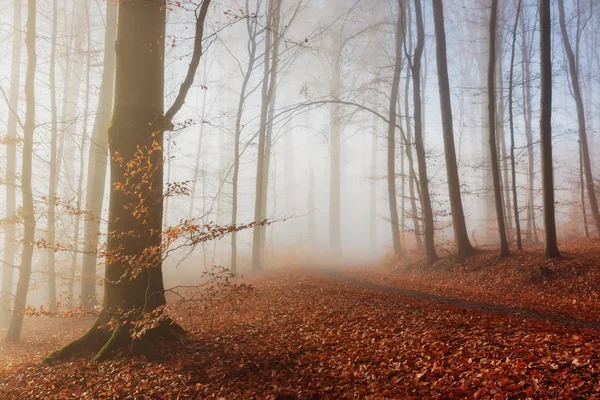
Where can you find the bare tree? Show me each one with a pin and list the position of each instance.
(461, 238)
(425, 197)
(582, 132)
(97, 161)
(11, 169)
(16, 321)
(504, 250)
(550, 242)
(400, 27)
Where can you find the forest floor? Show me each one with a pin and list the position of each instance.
(483, 329)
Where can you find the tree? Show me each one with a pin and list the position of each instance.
(97, 157)
(461, 238)
(550, 242)
(53, 181)
(526, 55)
(391, 134)
(134, 286)
(425, 197)
(268, 88)
(253, 32)
(16, 321)
(11, 169)
(504, 250)
(582, 132)
(512, 129)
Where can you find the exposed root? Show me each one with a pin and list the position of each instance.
(106, 342)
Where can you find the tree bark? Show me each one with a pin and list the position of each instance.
(11, 170)
(550, 242)
(512, 130)
(582, 131)
(504, 250)
(461, 238)
(531, 231)
(425, 197)
(391, 134)
(16, 321)
(97, 161)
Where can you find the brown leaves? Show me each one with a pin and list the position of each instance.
(302, 336)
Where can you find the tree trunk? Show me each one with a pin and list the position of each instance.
(134, 286)
(373, 190)
(267, 88)
(80, 176)
(16, 321)
(585, 153)
(461, 238)
(391, 134)
(528, 117)
(252, 33)
(504, 250)
(425, 197)
(512, 130)
(51, 239)
(335, 133)
(11, 170)
(586, 229)
(97, 161)
(550, 242)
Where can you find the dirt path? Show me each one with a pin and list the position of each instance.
(340, 276)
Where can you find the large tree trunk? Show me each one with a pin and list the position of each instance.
(461, 238)
(512, 130)
(550, 242)
(16, 321)
(425, 197)
(97, 160)
(134, 286)
(11, 170)
(583, 141)
(504, 250)
(391, 134)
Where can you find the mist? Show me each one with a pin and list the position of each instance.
(158, 146)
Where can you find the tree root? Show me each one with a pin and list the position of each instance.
(107, 342)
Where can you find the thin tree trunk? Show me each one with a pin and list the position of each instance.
(550, 242)
(373, 190)
(425, 197)
(585, 153)
(586, 229)
(97, 161)
(11, 170)
(512, 130)
(335, 134)
(391, 134)
(80, 176)
(461, 238)
(257, 234)
(16, 321)
(51, 227)
(504, 250)
(528, 118)
(252, 32)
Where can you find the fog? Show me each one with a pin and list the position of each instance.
(335, 68)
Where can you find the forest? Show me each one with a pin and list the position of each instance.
(299, 199)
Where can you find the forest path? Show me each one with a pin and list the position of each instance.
(339, 275)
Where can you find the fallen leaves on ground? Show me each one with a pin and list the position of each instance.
(302, 335)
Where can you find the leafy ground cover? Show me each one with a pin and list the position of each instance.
(306, 334)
